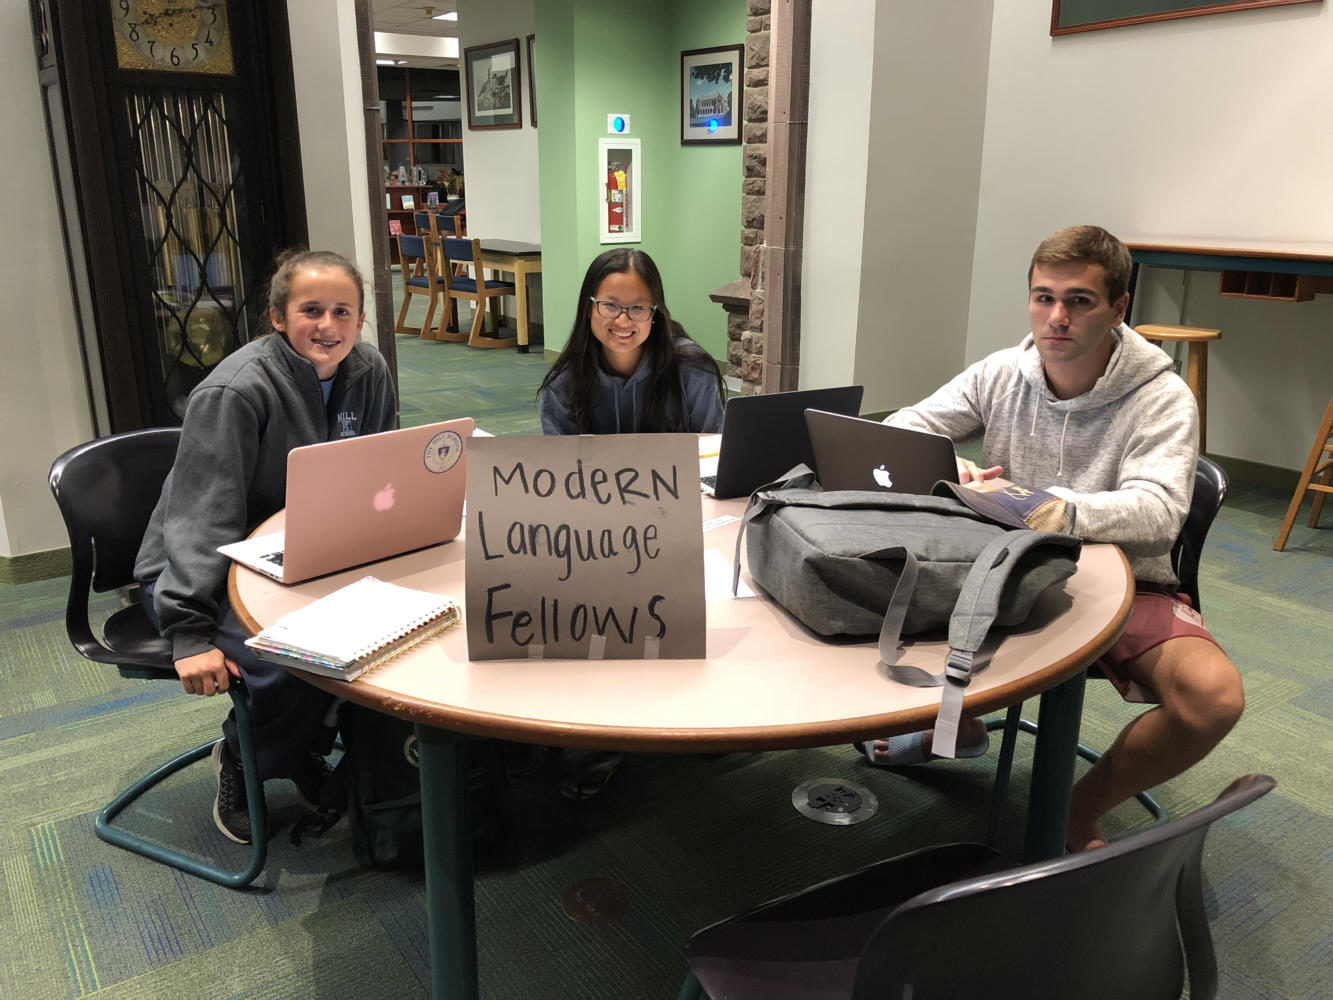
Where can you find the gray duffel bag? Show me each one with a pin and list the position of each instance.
(891, 564)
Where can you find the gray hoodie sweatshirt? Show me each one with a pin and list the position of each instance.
(230, 471)
(1122, 453)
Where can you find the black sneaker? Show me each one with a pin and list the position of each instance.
(588, 771)
(230, 811)
(311, 778)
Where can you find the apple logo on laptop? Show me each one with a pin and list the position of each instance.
(383, 500)
(883, 478)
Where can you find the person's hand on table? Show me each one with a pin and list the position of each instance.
(971, 474)
(207, 673)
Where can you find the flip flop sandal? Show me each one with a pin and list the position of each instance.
(906, 751)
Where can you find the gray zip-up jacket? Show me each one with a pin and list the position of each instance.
(1122, 453)
(616, 402)
(230, 471)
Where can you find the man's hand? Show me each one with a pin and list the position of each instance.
(207, 673)
(970, 472)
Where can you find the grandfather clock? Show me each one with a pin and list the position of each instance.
(173, 125)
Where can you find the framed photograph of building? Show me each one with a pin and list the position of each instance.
(711, 93)
(494, 97)
(620, 190)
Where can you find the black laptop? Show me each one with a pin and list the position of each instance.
(764, 436)
(856, 454)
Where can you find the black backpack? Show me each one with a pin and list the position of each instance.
(381, 769)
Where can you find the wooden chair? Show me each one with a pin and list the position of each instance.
(1314, 470)
(465, 254)
(416, 258)
(1195, 339)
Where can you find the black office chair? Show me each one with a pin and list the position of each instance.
(106, 490)
(946, 922)
(1210, 490)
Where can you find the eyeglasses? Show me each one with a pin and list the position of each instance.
(609, 310)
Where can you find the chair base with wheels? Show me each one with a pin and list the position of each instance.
(106, 490)
(1127, 919)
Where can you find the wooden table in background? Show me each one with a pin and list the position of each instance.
(522, 259)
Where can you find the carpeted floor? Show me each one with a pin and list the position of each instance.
(693, 839)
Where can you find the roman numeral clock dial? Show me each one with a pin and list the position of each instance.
(186, 36)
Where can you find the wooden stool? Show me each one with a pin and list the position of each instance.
(1196, 363)
(1323, 444)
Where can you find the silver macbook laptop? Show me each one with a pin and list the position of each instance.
(359, 499)
(856, 454)
(764, 436)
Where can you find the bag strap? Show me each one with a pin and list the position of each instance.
(973, 614)
(762, 500)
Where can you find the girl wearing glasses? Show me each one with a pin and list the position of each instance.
(628, 366)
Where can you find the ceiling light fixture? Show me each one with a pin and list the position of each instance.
(383, 62)
(451, 16)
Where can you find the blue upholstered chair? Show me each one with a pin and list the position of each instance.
(464, 255)
(417, 261)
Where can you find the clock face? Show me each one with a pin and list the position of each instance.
(176, 35)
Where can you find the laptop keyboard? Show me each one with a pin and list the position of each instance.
(273, 557)
(709, 481)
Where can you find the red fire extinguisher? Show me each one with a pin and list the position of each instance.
(615, 198)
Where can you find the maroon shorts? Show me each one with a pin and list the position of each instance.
(1156, 617)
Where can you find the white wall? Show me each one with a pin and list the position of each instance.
(500, 165)
(327, 70)
(928, 111)
(897, 105)
(842, 41)
(44, 405)
(1215, 126)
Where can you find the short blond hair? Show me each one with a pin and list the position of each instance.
(1089, 245)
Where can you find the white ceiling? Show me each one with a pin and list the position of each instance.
(409, 17)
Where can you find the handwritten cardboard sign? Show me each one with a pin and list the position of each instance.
(584, 547)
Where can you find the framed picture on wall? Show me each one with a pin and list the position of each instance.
(1069, 16)
(532, 79)
(710, 95)
(494, 98)
(620, 190)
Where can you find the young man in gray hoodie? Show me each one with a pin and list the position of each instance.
(1088, 410)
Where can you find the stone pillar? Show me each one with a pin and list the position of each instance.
(763, 308)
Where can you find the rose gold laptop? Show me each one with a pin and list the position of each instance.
(359, 499)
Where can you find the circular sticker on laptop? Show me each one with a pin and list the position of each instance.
(443, 451)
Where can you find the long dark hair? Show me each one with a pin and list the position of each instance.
(668, 347)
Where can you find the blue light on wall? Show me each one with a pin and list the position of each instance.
(712, 125)
(618, 123)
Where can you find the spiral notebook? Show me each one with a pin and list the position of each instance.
(355, 628)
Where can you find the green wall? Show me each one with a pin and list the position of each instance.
(596, 57)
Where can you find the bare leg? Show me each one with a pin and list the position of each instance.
(1201, 698)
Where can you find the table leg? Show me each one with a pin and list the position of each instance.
(1053, 758)
(447, 845)
(521, 301)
